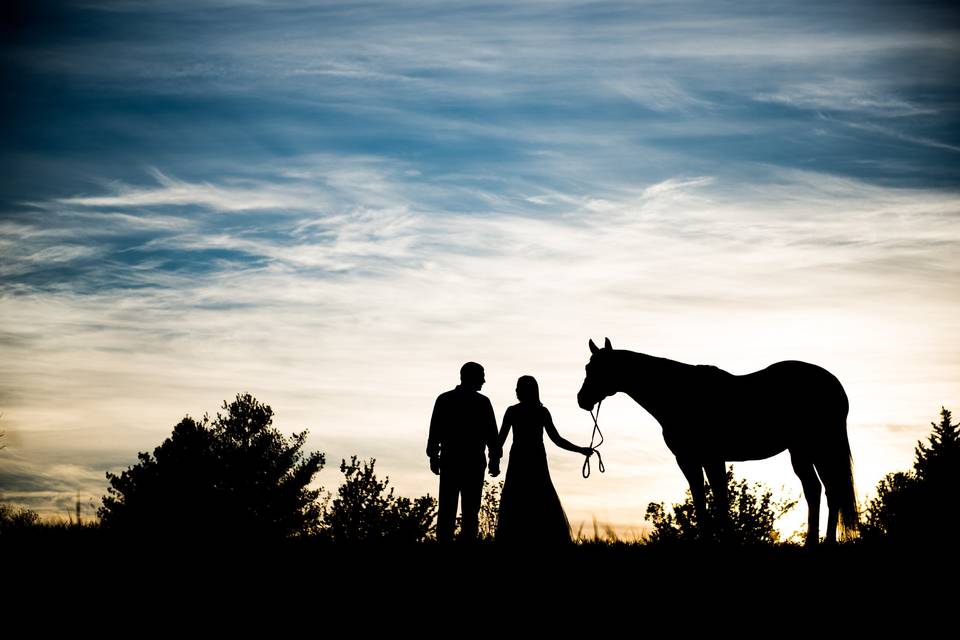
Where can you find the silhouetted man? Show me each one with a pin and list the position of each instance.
(462, 426)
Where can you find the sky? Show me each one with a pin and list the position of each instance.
(333, 206)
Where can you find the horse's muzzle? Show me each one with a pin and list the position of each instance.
(585, 403)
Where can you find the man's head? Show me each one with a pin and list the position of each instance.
(471, 376)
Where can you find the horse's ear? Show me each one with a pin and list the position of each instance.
(593, 347)
(606, 343)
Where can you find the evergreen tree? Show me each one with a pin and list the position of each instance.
(937, 461)
(233, 477)
(915, 506)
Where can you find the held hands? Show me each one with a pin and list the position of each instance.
(494, 468)
(435, 464)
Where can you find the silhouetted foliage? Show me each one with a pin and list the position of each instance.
(937, 462)
(489, 510)
(364, 510)
(916, 505)
(234, 477)
(14, 519)
(892, 511)
(753, 512)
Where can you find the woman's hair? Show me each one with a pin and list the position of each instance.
(528, 390)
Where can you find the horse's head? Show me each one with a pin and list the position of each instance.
(599, 381)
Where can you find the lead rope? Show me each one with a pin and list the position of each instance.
(596, 429)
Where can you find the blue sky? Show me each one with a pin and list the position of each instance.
(333, 205)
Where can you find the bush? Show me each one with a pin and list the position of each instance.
(364, 510)
(751, 517)
(14, 519)
(489, 510)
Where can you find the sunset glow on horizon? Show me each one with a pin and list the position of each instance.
(333, 206)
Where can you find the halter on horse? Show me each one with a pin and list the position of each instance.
(710, 417)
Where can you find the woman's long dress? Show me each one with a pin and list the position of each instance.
(530, 509)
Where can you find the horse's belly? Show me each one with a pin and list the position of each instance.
(731, 437)
(751, 451)
(739, 442)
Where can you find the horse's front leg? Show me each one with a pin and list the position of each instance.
(717, 477)
(693, 472)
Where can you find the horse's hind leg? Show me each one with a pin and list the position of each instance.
(833, 516)
(833, 501)
(803, 467)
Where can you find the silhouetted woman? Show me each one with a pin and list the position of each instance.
(530, 510)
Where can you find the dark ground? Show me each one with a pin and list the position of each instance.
(484, 589)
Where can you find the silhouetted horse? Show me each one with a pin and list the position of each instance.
(710, 417)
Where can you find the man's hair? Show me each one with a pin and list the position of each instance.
(470, 370)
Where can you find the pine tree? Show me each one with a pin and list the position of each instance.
(230, 478)
(916, 506)
(936, 461)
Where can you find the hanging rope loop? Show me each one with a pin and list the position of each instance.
(596, 430)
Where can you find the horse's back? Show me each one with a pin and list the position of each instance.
(792, 382)
(807, 388)
(762, 413)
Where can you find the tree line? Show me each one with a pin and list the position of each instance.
(236, 477)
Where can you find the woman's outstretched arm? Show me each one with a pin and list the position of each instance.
(559, 440)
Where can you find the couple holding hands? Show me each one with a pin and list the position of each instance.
(463, 426)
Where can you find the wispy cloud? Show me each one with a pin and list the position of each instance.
(177, 192)
(845, 95)
(901, 135)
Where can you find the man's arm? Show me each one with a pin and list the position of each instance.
(492, 439)
(436, 432)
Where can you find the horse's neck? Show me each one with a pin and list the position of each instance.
(653, 382)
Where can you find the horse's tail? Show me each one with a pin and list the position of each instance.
(845, 489)
(837, 473)
(849, 513)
